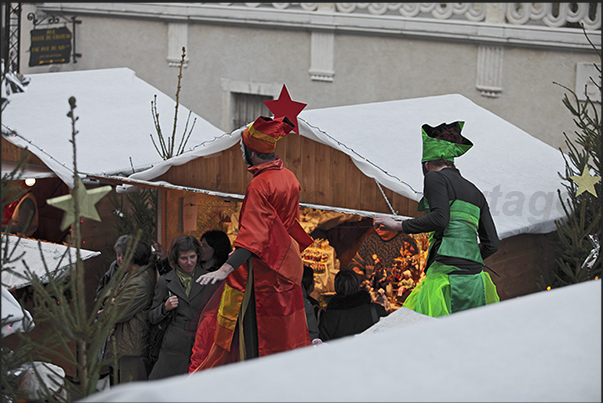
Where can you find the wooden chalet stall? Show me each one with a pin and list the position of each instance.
(341, 154)
(359, 160)
(113, 123)
(328, 178)
(96, 235)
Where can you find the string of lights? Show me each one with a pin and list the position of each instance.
(216, 138)
(8, 131)
(12, 132)
(212, 140)
(386, 199)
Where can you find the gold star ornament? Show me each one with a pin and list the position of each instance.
(86, 198)
(586, 182)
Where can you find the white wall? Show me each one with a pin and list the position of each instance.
(374, 58)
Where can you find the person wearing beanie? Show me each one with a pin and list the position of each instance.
(458, 214)
(259, 308)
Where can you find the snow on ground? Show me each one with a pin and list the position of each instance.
(540, 347)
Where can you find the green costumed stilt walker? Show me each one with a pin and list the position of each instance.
(458, 215)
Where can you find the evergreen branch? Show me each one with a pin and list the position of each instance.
(582, 212)
(73, 336)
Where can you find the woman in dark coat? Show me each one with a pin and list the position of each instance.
(179, 295)
(350, 311)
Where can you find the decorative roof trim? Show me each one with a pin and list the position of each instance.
(345, 21)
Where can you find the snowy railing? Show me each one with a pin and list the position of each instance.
(554, 15)
(548, 25)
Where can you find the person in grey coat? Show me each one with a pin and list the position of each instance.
(108, 279)
(177, 292)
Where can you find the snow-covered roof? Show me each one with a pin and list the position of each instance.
(517, 172)
(37, 257)
(542, 347)
(114, 125)
(15, 317)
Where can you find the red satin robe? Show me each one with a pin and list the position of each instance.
(269, 228)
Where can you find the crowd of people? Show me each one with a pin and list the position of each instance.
(225, 303)
(158, 288)
(161, 286)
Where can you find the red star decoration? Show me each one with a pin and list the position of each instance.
(284, 106)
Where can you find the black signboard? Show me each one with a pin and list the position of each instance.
(50, 46)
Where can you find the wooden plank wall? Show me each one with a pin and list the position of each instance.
(98, 235)
(11, 152)
(327, 177)
(520, 262)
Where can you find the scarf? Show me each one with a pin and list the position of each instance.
(186, 279)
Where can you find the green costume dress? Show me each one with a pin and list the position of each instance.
(458, 216)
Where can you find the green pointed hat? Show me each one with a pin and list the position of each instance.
(444, 142)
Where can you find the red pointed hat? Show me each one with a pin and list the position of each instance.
(261, 136)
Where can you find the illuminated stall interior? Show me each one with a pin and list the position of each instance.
(337, 238)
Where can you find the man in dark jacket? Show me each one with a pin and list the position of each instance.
(311, 305)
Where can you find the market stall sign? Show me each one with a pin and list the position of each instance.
(50, 46)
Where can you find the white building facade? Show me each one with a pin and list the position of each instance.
(505, 57)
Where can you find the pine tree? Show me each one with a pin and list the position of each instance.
(578, 235)
(139, 213)
(73, 334)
